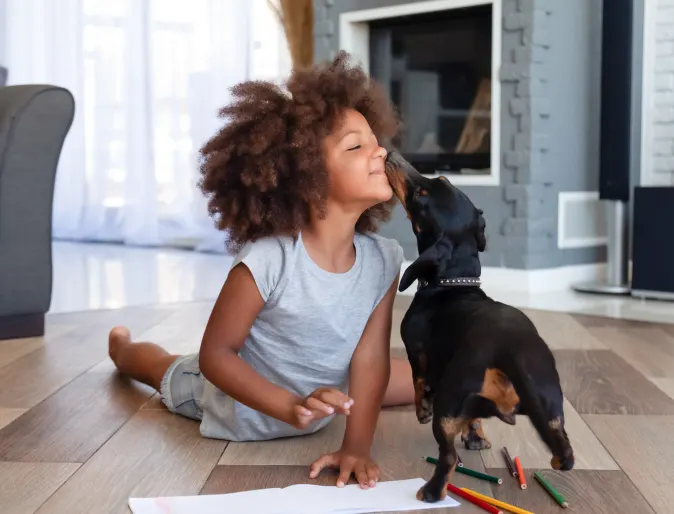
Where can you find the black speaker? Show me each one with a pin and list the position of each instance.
(615, 141)
(616, 100)
(652, 244)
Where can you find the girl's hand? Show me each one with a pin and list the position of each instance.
(366, 471)
(323, 402)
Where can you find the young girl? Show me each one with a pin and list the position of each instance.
(301, 329)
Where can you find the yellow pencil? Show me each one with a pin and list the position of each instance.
(497, 503)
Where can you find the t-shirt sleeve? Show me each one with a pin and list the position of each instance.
(265, 259)
(392, 254)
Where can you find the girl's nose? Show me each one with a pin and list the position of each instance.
(380, 152)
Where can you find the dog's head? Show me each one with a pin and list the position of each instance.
(450, 230)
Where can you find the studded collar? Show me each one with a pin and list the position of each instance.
(452, 282)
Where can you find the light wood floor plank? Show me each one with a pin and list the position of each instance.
(35, 376)
(237, 479)
(587, 492)
(154, 403)
(155, 454)
(596, 321)
(524, 441)
(668, 327)
(642, 446)
(562, 332)
(24, 486)
(73, 423)
(13, 349)
(648, 349)
(9, 415)
(288, 451)
(600, 382)
(666, 385)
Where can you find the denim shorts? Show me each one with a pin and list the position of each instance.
(182, 387)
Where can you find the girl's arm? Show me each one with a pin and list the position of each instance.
(368, 380)
(369, 376)
(235, 310)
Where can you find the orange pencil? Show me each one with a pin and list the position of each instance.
(520, 472)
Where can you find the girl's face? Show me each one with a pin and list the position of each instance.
(355, 164)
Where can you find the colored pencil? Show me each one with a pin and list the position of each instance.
(473, 499)
(509, 462)
(464, 470)
(431, 460)
(551, 490)
(497, 503)
(476, 474)
(520, 473)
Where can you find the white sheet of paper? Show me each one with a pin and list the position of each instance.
(297, 499)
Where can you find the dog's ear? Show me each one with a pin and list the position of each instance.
(481, 238)
(427, 263)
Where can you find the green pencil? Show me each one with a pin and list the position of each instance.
(431, 460)
(464, 470)
(558, 497)
(477, 474)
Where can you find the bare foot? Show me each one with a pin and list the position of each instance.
(145, 362)
(119, 336)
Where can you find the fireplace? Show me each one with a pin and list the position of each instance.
(437, 60)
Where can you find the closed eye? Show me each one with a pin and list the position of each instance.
(354, 148)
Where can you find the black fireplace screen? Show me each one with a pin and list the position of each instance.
(437, 70)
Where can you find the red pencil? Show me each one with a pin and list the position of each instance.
(467, 496)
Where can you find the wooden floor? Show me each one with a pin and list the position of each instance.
(75, 437)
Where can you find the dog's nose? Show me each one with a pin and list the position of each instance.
(394, 158)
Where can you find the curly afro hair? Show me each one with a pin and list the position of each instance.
(264, 170)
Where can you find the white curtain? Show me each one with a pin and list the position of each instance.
(148, 77)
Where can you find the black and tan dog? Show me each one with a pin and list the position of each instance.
(471, 357)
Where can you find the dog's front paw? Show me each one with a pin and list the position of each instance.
(473, 437)
(430, 493)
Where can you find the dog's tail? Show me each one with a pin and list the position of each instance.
(549, 425)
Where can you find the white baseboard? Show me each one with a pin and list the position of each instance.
(530, 281)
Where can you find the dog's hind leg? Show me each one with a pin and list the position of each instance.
(564, 459)
(445, 430)
(544, 406)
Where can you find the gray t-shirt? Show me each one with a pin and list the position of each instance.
(307, 331)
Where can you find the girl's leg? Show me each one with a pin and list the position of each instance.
(400, 390)
(145, 362)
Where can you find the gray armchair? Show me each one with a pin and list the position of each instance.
(34, 121)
